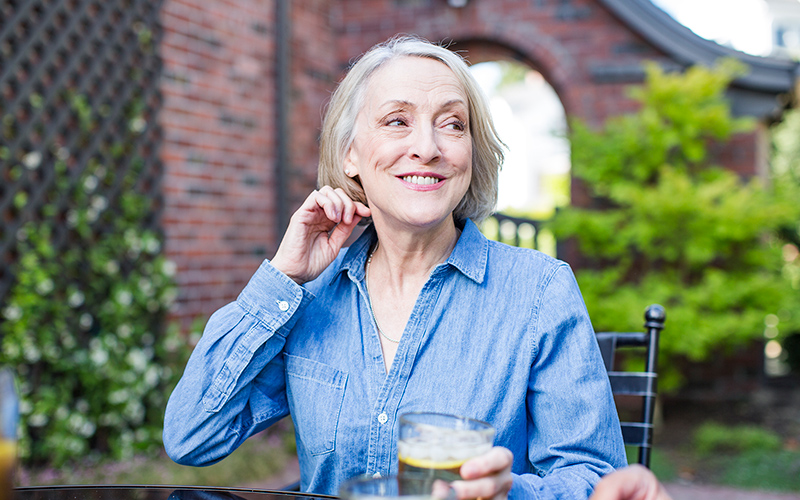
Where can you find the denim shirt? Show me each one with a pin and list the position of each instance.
(498, 333)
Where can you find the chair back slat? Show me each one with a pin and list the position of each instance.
(633, 383)
(643, 384)
(636, 434)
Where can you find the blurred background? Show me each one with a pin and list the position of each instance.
(151, 153)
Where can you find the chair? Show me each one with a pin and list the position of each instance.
(637, 384)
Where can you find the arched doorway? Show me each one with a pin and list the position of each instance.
(531, 121)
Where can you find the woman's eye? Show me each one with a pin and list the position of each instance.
(396, 122)
(457, 125)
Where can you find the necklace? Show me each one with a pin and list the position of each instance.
(369, 299)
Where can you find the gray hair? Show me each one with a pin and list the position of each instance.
(339, 125)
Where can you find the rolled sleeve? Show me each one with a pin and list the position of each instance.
(234, 384)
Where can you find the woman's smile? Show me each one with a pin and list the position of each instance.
(423, 182)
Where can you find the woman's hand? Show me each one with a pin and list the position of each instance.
(486, 476)
(634, 482)
(317, 232)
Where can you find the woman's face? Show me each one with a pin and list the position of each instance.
(412, 146)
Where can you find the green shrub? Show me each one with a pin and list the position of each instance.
(712, 437)
(84, 324)
(667, 225)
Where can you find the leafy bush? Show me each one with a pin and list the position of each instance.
(712, 437)
(84, 324)
(668, 226)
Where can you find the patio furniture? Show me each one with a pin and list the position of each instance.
(636, 431)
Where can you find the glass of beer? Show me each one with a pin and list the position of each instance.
(9, 416)
(437, 444)
(405, 486)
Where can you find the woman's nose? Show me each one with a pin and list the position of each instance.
(423, 145)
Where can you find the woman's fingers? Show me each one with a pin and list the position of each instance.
(495, 460)
(634, 482)
(331, 203)
(486, 476)
(316, 233)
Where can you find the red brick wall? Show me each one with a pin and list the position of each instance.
(219, 141)
(219, 114)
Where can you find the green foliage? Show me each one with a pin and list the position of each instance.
(668, 226)
(763, 469)
(786, 174)
(84, 324)
(713, 438)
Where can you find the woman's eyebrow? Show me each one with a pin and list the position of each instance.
(401, 103)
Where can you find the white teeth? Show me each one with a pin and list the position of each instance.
(414, 179)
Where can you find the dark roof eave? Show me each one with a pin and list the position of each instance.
(766, 75)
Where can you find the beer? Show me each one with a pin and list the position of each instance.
(8, 455)
(437, 445)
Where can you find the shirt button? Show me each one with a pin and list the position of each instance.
(283, 305)
(377, 474)
(383, 418)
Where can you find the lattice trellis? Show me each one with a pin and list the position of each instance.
(78, 88)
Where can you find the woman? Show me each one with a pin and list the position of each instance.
(420, 313)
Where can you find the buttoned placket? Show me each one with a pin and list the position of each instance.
(381, 453)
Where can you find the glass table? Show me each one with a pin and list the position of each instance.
(155, 492)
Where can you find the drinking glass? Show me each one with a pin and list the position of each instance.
(404, 486)
(438, 444)
(9, 416)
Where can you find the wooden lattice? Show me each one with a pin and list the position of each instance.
(78, 87)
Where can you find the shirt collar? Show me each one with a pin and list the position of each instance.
(469, 256)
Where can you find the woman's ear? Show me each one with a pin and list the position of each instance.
(350, 163)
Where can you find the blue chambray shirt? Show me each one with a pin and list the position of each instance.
(498, 333)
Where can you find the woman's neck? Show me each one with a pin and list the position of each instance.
(403, 255)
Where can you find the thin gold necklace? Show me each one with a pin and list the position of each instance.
(369, 299)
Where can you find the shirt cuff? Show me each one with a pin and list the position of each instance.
(274, 298)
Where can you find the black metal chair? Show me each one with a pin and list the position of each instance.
(642, 384)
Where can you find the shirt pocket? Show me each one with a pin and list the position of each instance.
(315, 392)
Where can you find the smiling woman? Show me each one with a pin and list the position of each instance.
(347, 340)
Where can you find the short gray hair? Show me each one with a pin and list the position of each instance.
(339, 125)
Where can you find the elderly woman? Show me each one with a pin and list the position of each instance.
(421, 313)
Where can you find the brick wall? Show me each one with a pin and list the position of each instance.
(219, 137)
(220, 105)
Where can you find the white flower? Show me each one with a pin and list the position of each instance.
(124, 331)
(62, 412)
(151, 376)
(99, 356)
(137, 125)
(137, 359)
(86, 321)
(32, 353)
(118, 396)
(72, 218)
(45, 286)
(134, 411)
(37, 420)
(25, 407)
(169, 268)
(12, 312)
(90, 184)
(99, 202)
(152, 246)
(75, 299)
(124, 298)
(32, 160)
(146, 286)
(112, 267)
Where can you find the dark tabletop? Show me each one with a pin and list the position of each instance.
(157, 492)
